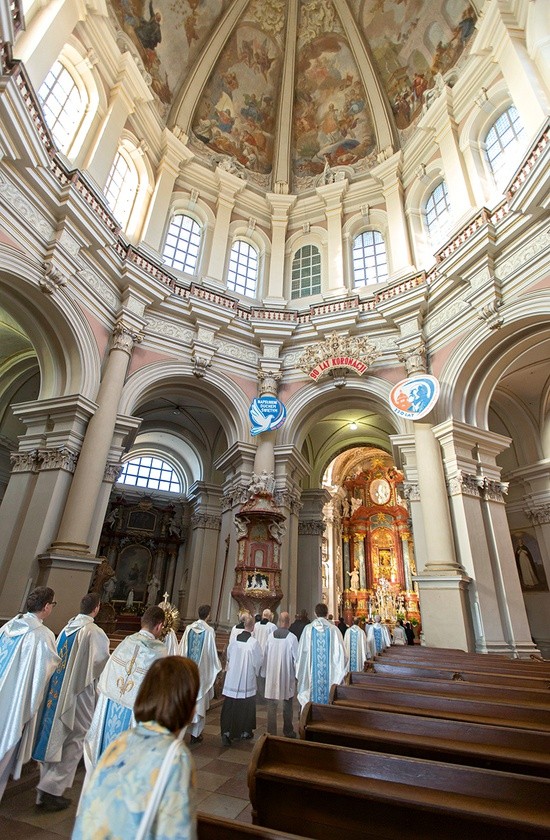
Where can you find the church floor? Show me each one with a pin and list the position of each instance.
(221, 786)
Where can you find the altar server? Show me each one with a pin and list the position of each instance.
(279, 669)
(70, 702)
(244, 660)
(28, 658)
(378, 635)
(321, 659)
(355, 643)
(119, 684)
(199, 644)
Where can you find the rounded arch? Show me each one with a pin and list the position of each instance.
(473, 371)
(214, 391)
(66, 350)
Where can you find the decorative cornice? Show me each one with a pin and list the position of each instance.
(339, 351)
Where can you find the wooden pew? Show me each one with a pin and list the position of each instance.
(454, 688)
(341, 792)
(436, 673)
(442, 658)
(216, 828)
(437, 706)
(456, 742)
(465, 665)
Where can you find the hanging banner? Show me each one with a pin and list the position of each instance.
(415, 396)
(266, 414)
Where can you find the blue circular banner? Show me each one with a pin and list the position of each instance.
(266, 414)
(414, 397)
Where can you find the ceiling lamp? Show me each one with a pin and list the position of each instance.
(353, 425)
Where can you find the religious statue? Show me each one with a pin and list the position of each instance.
(354, 579)
(113, 520)
(152, 591)
(174, 527)
(108, 589)
(101, 575)
(276, 530)
(129, 605)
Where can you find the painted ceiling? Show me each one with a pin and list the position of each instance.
(290, 90)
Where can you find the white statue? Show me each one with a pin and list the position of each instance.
(354, 579)
(129, 600)
(108, 590)
(152, 591)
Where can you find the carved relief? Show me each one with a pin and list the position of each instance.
(168, 329)
(204, 520)
(35, 460)
(99, 286)
(539, 515)
(311, 528)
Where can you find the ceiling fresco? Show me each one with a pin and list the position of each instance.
(230, 108)
(236, 115)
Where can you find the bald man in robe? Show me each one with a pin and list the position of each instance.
(279, 669)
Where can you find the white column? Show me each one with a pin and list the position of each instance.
(456, 174)
(175, 156)
(280, 207)
(74, 529)
(40, 45)
(129, 89)
(204, 537)
(229, 187)
(332, 196)
(398, 245)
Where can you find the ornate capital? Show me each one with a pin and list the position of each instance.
(200, 366)
(112, 472)
(36, 460)
(235, 497)
(52, 280)
(411, 491)
(124, 339)
(289, 499)
(414, 359)
(24, 461)
(539, 515)
(311, 528)
(268, 382)
(204, 520)
(463, 484)
(263, 483)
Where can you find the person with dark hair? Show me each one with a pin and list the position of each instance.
(28, 658)
(199, 644)
(321, 659)
(142, 786)
(70, 702)
(355, 643)
(299, 623)
(244, 660)
(119, 684)
(409, 632)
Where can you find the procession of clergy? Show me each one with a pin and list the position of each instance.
(61, 700)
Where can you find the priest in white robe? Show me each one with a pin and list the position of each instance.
(119, 684)
(28, 658)
(262, 631)
(199, 644)
(279, 670)
(244, 661)
(355, 643)
(321, 659)
(70, 702)
(378, 635)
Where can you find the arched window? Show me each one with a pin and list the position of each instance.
(306, 272)
(62, 104)
(243, 268)
(150, 472)
(370, 261)
(437, 214)
(502, 144)
(121, 187)
(181, 249)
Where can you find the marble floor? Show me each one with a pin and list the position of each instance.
(221, 783)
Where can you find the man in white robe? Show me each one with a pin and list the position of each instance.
(244, 661)
(262, 631)
(238, 627)
(355, 643)
(378, 635)
(321, 659)
(70, 702)
(199, 644)
(279, 670)
(28, 658)
(119, 684)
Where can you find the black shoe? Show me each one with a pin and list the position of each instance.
(195, 739)
(53, 803)
(226, 740)
(246, 736)
(290, 735)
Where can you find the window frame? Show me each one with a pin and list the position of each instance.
(253, 247)
(166, 464)
(201, 231)
(502, 174)
(311, 293)
(437, 233)
(367, 282)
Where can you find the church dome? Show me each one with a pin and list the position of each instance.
(286, 90)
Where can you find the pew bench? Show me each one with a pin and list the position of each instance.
(462, 674)
(216, 828)
(342, 792)
(438, 706)
(455, 742)
(453, 688)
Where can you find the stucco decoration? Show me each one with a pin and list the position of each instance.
(411, 44)
(332, 122)
(237, 113)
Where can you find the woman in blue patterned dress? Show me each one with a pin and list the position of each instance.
(143, 785)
